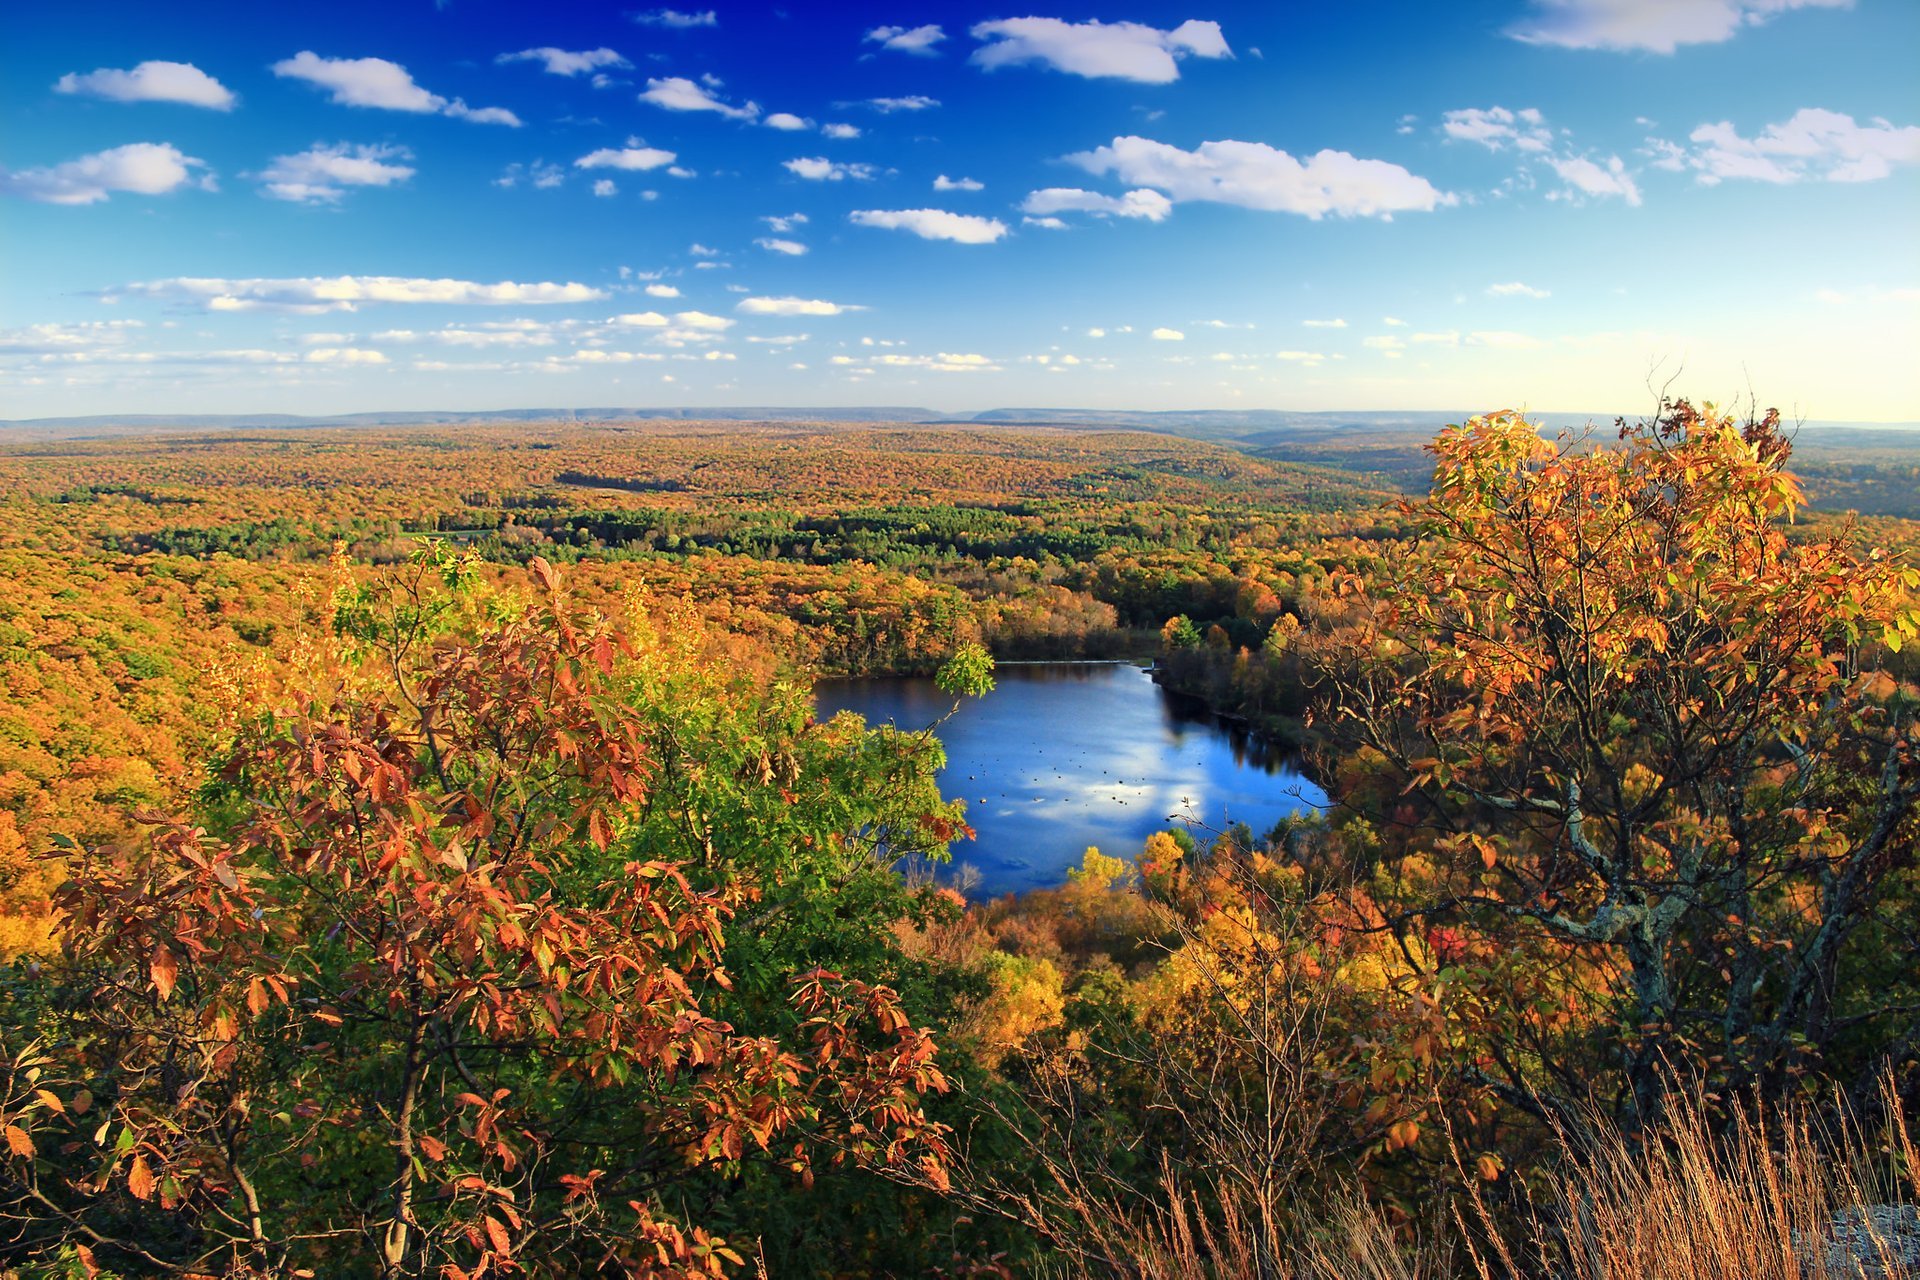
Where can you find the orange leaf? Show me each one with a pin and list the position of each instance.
(140, 1179)
(497, 1232)
(18, 1140)
(165, 970)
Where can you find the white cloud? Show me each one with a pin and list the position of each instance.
(1256, 176)
(344, 355)
(1336, 323)
(375, 82)
(139, 168)
(933, 224)
(787, 121)
(1096, 333)
(1497, 127)
(631, 158)
(794, 307)
(944, 183)
(677, 20)
(1046, 224)
(839, 132)
(151, 82)
(1120, 50)
(321, 174)
(821, 169)
(563, 62)
(1308, 358)
(314, 294)
(1660, 26)
(945, 362)
(1592, 178)
(1515, 289)
(1168, 335)
(701, 320)
(784, 223)
(1527, 132)
(912, 102)
(605, 187)
(1393, 321)
(918, 40)
(43, 339)
(641, 320)
(792, 248)
(1813, 145)
(677, 93)
(662, 291)
(699, 250)
(1143, 203)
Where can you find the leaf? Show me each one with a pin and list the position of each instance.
(165, 970)
(497, 1233)
(20, 1143)
(140, 1179)
(435, 1149)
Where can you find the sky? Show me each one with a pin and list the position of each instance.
(1561, 205)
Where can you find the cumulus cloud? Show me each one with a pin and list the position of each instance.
(375, 82)
(1515, 289)
(933, 224)
(1657, 26)
(1143, 203)
(839, 132)
(315, 294)
(321, 174)
(1254, 175)
(945, 362)
(1168, 335)
(1335, 323)
(47, 339)
(344, 355)
(792, 248)
(633, 158)
(1527, 132)
(676, 20)
(787, 121)
(662, 291)
(821, 169)
(564, 62)
(944, 183)
(1498, 127)
(1594, 178)
(677, 93)
(1118, 50)
(139, 168)
(912, 102)
(606, 187)
(1813, 145)
(794, 307)
(1046, 224)
(151, 82)
(918, 40)
(784, 222)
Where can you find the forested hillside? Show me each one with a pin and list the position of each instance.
(420, 856)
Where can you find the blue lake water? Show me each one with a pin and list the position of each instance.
(1062, 755)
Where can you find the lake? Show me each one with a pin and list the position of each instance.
(1062, 755)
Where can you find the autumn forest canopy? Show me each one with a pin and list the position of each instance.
(421, 855)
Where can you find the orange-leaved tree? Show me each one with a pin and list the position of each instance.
(1622, 753)
(399, 1001)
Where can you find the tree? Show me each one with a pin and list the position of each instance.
(1628, 736)
(405, 996)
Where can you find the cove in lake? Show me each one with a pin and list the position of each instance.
(1062, 755)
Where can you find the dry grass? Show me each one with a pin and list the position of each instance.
(1764, 1196)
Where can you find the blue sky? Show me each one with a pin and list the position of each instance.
(225, 208)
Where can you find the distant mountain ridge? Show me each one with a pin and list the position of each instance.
(1235, 425)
